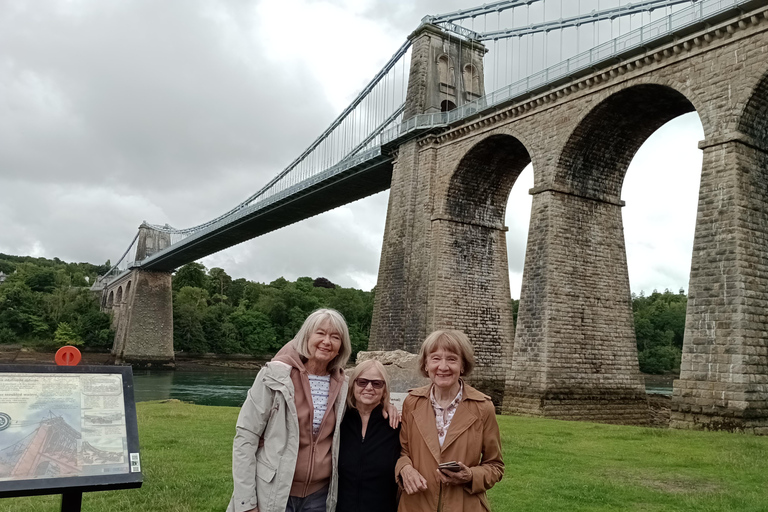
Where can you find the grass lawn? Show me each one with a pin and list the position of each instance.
(551, 466)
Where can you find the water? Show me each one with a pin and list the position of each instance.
(228, 388)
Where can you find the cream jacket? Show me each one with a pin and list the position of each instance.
(263, 470)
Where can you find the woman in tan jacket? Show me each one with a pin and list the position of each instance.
(448, 423)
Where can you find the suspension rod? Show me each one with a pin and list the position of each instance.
(477, 11)
(575, 21)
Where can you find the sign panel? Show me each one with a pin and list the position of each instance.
(67, 427)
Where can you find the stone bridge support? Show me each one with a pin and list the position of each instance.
(573, 355)
(143, 321)
(141, 303)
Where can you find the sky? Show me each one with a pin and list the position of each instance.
(113, 113)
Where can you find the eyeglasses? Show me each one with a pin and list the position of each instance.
(363, 383)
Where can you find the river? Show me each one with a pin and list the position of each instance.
(228, 388)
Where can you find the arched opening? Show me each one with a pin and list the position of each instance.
(472, 289)
(578, 319)
(445, 70)
(127, 290)
(119, 297)
(447, 105)
(111, 299)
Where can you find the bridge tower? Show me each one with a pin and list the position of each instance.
(435, 270)
(142, 307)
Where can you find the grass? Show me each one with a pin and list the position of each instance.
(551, 466)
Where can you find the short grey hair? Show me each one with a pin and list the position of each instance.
(355, 373)
(452, 341)
(338, 324)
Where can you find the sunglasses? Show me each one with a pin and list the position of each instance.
(363, 383)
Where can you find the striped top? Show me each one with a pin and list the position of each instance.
(320, 386)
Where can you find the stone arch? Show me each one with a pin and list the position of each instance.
(596, 156)
(127, 290)
(111, 299)
(119, 296)
(575, 346)
(470, 281)
(480, 185)
(753, 121)
(447, 106)
(725, 318)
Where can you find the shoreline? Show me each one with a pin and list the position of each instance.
(658, 414)
(183, 362)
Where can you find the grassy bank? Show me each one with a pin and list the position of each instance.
(551, 466)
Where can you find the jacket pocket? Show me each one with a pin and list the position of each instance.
(265, 471)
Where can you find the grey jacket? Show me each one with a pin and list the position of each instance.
(263, 470)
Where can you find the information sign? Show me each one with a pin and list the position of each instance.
(67, 429)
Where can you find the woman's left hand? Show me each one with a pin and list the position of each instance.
(391, 412)
(460, 477)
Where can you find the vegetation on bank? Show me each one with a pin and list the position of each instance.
(46, 303)
(659, 329)
(214, 313)
(551, 466)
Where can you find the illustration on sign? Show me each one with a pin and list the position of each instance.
(59, 425)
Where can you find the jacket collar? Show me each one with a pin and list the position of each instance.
(424, 416)
(469, 393)
(290, 356)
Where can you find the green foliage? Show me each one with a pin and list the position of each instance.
(66, 335)
(659, 328)
(222, 315)
(41, 295)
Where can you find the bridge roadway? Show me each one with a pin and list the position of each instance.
(321, 193)
(370, 172)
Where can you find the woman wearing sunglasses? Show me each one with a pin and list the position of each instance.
(370, 446)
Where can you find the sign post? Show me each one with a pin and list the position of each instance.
(67, 430)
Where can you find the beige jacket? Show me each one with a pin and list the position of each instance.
(473, 438)
(263, 470)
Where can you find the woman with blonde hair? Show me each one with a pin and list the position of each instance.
(286, 446)
(370, 446)
(451, 447)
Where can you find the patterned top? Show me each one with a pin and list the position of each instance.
(443, 417)
(320, 386)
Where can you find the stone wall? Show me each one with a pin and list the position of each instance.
(143, 321)
(573, 355)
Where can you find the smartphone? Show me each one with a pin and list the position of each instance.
(449, 466)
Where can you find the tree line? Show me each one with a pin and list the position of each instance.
(214, 313)
(46, 304)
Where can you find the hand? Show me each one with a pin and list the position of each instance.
(413, 482)
(391, 412)
(460, 477)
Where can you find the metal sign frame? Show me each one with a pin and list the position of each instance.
(75, 485)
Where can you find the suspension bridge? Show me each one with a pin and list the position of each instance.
(532, 45)
(447, 124)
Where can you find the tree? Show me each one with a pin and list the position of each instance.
(191, 274)
(659, 329)
(322, 282)
(220, 281)
(65, 335)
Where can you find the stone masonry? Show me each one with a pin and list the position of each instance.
(141, 304)
(573, 356)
